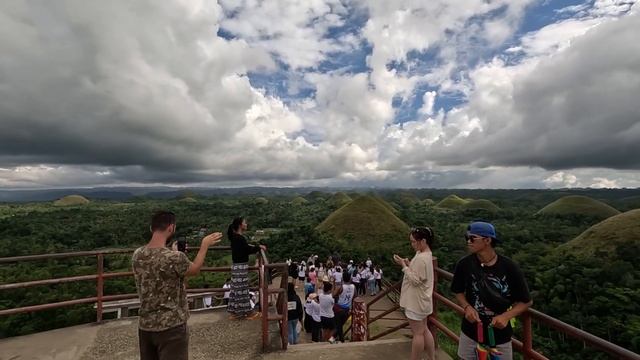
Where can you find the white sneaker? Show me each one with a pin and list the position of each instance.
(332, 340)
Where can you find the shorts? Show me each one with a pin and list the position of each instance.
(467, 349)
(172, 343)
(328, 323)
(301, 278)
(411, 315)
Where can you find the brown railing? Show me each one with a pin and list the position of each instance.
(262, 268)
(525, 347)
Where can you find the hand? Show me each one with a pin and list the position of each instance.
(407, 262)
(500, 321)
(212, 239)
(471, 314)
(263, 247)
(398, 260)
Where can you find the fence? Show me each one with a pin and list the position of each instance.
(524, 347)
(264, 268)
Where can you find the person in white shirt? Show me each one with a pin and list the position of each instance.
(345, 293)
(369, 262)
(337, 276)
(416, 296)
(377, 276)
(302, 270)
(355, 280)
(312, 307)
(227, 285)
(326, 312)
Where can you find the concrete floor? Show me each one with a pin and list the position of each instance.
(390, 349)
(212, 336)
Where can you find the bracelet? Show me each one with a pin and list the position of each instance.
(465, 307)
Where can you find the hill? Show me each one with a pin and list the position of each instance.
(617, 234)
(71, 200)
(481, 204)
(368, 222)
(428, 202)
(261, 201)
(452, 202)
(299, 200)
(188, 199)
(339, 199)
(579, 205)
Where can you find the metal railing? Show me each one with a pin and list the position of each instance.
(263, 268)
(525, 347)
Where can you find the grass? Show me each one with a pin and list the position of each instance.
(607, 236)
(71, 200)
(481, 204)
(452, 202)
(579, 205)
(299, 201)
(340, 199)
(366, 220)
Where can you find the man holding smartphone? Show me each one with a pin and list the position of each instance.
(160, 280)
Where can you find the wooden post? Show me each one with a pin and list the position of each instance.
(359, 320)
(527, 336)
(434, 314)
(99, 287)
(264, 305)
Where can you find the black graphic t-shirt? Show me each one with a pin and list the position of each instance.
(505, 276)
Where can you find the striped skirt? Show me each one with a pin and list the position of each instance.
(239, 297)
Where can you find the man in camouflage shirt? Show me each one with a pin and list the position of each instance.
(160, 279)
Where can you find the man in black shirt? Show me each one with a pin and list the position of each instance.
(492, 291)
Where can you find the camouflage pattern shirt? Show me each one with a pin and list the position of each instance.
(160, 280)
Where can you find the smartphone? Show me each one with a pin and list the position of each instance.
(182, 244)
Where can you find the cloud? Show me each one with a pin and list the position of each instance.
(575, 108)
(561, 179)
(245, 92)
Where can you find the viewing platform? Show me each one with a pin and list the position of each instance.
(378, 330)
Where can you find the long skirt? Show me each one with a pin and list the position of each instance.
(239, 297)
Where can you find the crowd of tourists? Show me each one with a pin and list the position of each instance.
(489, 287)
(329, 290)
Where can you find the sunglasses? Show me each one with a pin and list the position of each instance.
(471, 238)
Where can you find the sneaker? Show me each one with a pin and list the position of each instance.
(332, 340)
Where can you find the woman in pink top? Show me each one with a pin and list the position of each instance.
(416, 296)
(313, 275)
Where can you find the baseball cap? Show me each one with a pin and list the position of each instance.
(482, 228)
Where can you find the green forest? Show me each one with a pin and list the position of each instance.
(578, 249)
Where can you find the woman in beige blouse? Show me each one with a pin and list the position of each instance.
(416, 297)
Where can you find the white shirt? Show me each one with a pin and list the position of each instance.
(301, 271)
(326, 305)
(346, 296)
(337, 276)
(356, 277)
(377, 274)
(227, 293)
(314, 311)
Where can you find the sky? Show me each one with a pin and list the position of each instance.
(420, 94)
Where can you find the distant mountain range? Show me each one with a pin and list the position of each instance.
(627, 198)
(157, 192)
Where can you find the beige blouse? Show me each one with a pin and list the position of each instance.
(417, 284)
